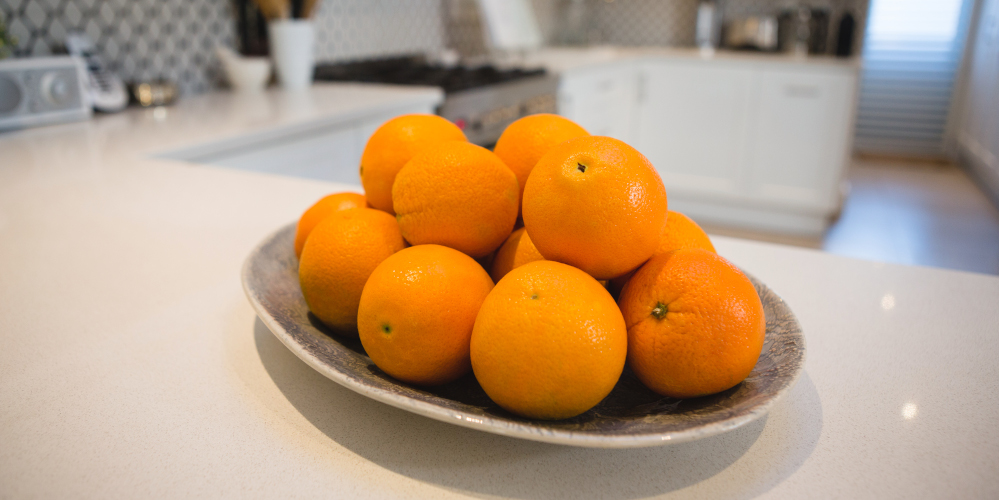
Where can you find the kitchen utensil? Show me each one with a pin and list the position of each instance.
(251, 29)
(308, 6)
(631, 416)
(292, 50)
(281, 9)
(273, 9)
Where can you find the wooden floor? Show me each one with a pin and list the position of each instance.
(907, 212)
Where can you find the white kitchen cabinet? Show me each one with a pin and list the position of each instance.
(691, 125)
(757, 146)
(331, 154)
(602, 100)
(759, 141)
(799, 142)
(324, 150)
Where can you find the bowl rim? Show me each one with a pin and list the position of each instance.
(501, 426)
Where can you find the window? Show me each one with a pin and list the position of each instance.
(912, 51)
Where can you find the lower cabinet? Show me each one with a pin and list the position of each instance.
(331, 155)
(691, 123)
(328, 152)
(800, 143)
(737, 142)
(602, 99)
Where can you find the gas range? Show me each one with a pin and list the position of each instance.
(481, 100)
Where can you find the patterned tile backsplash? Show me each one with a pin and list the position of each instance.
(175, 39)
(354, 29)
(646, 22)
(139, 39)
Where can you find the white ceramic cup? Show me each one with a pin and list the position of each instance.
(292, 51)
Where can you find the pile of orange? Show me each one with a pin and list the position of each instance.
(433, 271)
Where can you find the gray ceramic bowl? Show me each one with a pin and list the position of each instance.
(631, 416)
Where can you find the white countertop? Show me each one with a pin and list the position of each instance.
(133, 366)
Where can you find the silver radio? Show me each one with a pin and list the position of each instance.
(42, 90)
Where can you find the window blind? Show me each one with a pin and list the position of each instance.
(912, 51)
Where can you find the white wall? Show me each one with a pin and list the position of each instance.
(974, 128)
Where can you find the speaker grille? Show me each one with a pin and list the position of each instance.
(10, 95)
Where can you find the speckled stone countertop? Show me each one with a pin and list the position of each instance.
(132, 364)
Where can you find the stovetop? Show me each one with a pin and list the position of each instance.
(416, 70)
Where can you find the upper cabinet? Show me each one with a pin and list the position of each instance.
(739, 141)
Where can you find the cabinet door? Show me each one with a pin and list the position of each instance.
(601, 100)
(691, 125)
(329, 155)
(800, 144)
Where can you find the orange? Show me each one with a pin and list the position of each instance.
(524, 142)
(392, 145)
(417, 312)
(458, 195)
(595, 203)
(549, 342)
(679, 232)
(487, 260)
(326, 206)
(341, 252)
(695, 323)
(517, 251)
(682, 232)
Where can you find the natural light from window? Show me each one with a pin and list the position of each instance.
(934, 20)
(912, 50)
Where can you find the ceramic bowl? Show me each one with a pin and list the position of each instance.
(631, 416)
